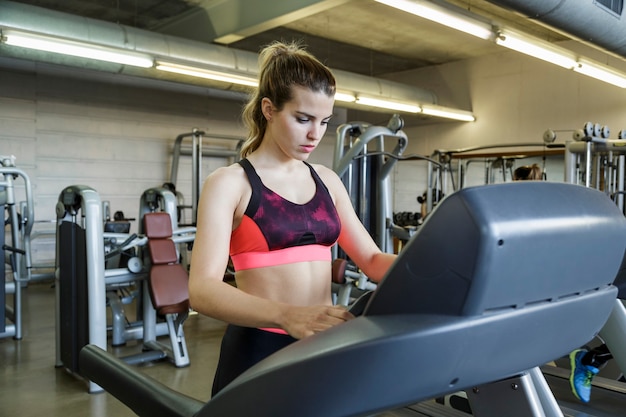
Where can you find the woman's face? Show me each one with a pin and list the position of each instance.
(298, 128)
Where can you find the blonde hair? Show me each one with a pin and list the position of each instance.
(528, 172)
(282, 66)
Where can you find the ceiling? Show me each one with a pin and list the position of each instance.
(358, 36)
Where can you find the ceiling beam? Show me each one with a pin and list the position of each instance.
(229, 21)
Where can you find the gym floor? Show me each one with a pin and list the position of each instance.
(31, 385)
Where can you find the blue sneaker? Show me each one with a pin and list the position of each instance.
(581, 375)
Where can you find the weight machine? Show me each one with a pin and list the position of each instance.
(197, 151)
(598, 162)
(84, 284)
(364, 167)
(17, 254)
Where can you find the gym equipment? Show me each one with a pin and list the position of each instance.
(17, 254)
(596, 161)
(161, 203)
(168, 285)
(443, 178)
(349, 278)
(365, 172)
(196, 166)
(589, 129)
(121, 256)
(364, 168)
(162, 199)
(157, 199)
(483, 293)
(197, 152)
(80, 287)
(84, 284)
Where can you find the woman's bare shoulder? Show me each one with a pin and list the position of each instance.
(231, 174)
(228, 182)
(328, 176)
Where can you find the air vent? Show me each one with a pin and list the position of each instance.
(613, 6)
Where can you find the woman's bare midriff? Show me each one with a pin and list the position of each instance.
(303, 283)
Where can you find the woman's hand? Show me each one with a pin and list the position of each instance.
(301, 322)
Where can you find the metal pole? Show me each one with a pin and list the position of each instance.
(196, 173)
(96, 286)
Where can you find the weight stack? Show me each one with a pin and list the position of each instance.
(73, 298)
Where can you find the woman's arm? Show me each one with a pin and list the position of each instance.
(354, 239)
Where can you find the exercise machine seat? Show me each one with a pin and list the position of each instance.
(168, 278)
(338, 274)
(498, 280)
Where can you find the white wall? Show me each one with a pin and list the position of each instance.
(515, 99)
(113, 138)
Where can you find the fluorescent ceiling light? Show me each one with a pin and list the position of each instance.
(74, 48)
(536, 48)
(127, 57)
(508, 38)
(601, 72)
(443, 16)
(448, 113)
(386, 104)
(206, 73)
(347, 97)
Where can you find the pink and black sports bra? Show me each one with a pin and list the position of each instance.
(275, 231)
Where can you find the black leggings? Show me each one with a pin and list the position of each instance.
(243, 347)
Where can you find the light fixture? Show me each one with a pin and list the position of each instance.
(508, 38)
(443, 16)
(601, 72)
(448, 113)
(74, 48)
(59, 45)
(226, 77)
(536, 48)
(387, 104)
(345, 97)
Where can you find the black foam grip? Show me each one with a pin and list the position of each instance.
(141, 393)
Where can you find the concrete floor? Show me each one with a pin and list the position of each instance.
(31, 385)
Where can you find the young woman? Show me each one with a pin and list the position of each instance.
(277, 217)
(528, 173)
